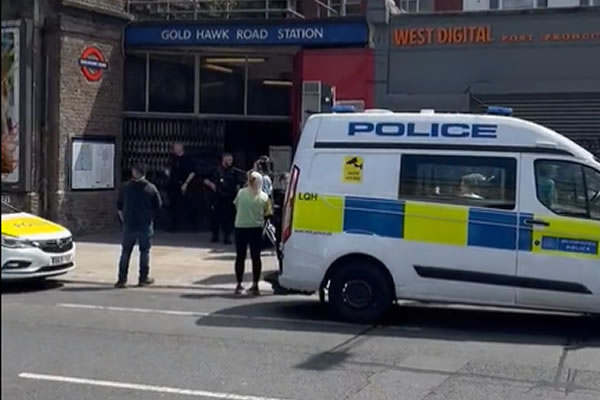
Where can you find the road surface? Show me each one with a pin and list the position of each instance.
(69, 341)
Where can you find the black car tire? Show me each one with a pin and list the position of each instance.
(360, 292)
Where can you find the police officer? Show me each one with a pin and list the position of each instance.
(181, 173)
(224, 183)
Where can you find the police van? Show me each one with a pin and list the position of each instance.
(455, 208)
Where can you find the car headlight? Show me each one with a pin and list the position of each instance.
(14, 242)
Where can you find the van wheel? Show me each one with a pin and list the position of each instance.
(359, 292)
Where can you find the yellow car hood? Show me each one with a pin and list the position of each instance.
(29, 226)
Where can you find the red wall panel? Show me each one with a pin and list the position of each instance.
(448, 5)
(351, 71)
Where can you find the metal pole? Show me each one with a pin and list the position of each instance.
(147, 85)
(197, 84)
(246, 86)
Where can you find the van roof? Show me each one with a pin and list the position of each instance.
(437, 130)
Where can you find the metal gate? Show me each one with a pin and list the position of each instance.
(575, 115)
(149, 140)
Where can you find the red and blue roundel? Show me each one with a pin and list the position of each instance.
(92, 64)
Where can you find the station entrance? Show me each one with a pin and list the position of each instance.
(211, 102)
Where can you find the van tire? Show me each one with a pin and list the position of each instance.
(360, 292)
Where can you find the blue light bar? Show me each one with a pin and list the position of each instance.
(498, 110)
(343, 109)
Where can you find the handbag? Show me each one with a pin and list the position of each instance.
(269, 232)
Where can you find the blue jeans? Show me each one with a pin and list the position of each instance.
(130, 238)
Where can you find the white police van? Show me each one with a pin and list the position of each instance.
(459, 208)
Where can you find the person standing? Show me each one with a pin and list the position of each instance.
(138, 201)
(224, 184)
(181, 173)
(253, 207)
(263, 166)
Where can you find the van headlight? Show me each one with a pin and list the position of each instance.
(13, 242)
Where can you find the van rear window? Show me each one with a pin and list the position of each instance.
(462, 180)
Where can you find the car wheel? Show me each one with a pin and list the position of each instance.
(360, 292)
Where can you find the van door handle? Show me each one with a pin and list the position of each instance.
(536, 222)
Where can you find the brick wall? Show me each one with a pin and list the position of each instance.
(85, 109)
(28, 202)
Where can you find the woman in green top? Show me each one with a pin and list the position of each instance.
(253, 207)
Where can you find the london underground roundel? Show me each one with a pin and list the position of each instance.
(92, 64)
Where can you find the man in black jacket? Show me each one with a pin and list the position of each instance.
(224, 182)
(181, 173)
(138, 201)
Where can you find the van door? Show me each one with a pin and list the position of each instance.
(460, 226)
(559, 268)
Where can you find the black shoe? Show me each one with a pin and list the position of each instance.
(145, 282)
(239, 289)
(120, 285)
(254, 290)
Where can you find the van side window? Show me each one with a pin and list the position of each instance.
(561, 187)
(592, 183)
(464, 180)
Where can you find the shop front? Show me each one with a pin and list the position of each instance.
(244, 88)
(545, 64)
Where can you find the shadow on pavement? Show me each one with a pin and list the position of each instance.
(94, 286)
(202, 296)
(413, 321)
(199, 240)
(223, 279)
(77, 289)
(19, 287)
(222, 257)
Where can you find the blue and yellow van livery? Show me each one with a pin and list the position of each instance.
(455, 208)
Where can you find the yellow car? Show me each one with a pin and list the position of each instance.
(34, 248)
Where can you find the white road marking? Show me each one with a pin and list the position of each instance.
(135, 310)
(140, 387)
(203, 314)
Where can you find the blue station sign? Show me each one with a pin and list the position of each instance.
(229, 34)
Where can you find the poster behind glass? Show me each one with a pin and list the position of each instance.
(93, 165)
(10, 101)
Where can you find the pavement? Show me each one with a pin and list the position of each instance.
(190, 338)
(177, 260)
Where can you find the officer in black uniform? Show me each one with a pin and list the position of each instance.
(181, 173)
(224, 182)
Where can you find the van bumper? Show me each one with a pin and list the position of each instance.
(295, 285)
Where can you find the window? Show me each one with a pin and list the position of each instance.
(568, 189)
(592, 182)
(517, 4)
(135, 82)
(476, 181)
(172, 83)
(411, 6)
(222, 81)
(270, 86)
